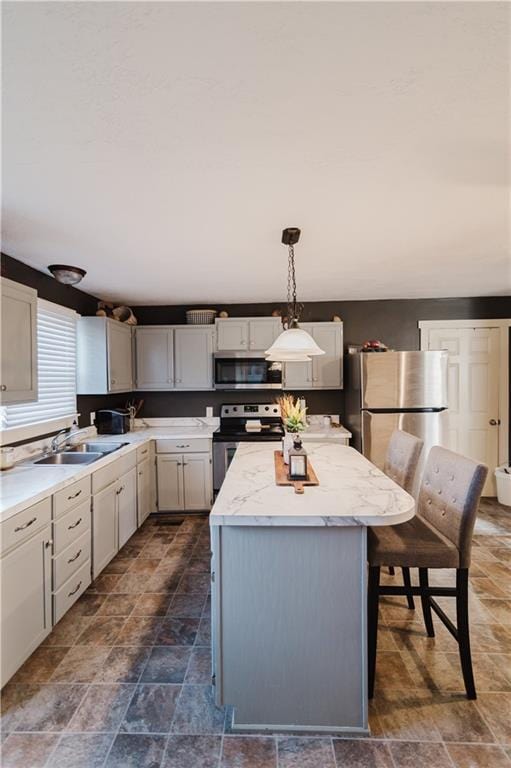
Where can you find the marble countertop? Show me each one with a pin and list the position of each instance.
(317, 431)
(352, 491)
(27, 483)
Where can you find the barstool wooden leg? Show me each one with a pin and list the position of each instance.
(373, 596)
(408, 585)
(426, 602)
(463, 631)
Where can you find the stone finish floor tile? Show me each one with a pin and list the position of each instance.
(249, 752)
(297, 752)
(30, 750)
(192, 752)
(136, 751)
(151, 709)
(477, 756)
(196, 712)
(81, 750)
(167, 665)
(103, 707)
(100, 684)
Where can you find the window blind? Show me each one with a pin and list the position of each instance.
(56, 369)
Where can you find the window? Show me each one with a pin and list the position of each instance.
(56, 373)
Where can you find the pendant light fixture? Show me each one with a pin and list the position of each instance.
(294, 344)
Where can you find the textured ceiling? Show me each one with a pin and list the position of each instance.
(163, 147)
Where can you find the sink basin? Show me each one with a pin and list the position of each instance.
(67, 457)
(95, 447)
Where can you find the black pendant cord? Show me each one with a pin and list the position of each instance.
(294, 309)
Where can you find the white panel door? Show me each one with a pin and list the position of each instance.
(143, 490)
(127, 506)
(170, 483)
(262, 333)
(120, 374)
(26, 601)
(193, 352)
(18, 344)
(231, 334)
(327, 368)
(154, 358)
(104, 527)
(473, 393)
(197, 481)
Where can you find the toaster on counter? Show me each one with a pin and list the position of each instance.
(112, 422)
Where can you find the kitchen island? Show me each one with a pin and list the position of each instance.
(289, 588)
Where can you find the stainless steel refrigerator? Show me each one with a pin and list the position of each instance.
(396, 390)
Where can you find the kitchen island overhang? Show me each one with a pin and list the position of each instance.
(289, 589)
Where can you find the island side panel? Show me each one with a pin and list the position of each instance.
(289, 626)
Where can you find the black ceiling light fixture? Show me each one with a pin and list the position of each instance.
(67, 275)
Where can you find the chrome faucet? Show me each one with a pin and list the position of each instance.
(67, 433)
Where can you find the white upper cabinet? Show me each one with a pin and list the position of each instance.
(323, 371)
(19, 343)
(154, 358)
(251, 334)
(174, 357)
(232, 334)
(193, 357)
(104, 356)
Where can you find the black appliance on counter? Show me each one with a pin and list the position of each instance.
(233, 430)
(112, 422)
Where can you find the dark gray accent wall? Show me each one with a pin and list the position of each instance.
(393, 321)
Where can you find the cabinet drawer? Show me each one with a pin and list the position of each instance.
(71, 526)
(103, 477)
(71, 560)
(143, 452)
(70, 591)
(20, 527)
(195, 445)
(71, 496)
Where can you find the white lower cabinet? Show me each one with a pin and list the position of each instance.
(144, 496)
(127, 506)
(104, 527)
(170, 483)
(184, 479)
(26, 600)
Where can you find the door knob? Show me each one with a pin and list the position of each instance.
(494, 422)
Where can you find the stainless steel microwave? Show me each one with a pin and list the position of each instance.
(244, 370)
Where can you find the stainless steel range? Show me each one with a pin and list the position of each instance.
(233, 430)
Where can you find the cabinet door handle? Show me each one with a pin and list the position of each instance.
(3, 387)
(74, 525)
(72, 559)
(74, 495)
(114, 381)
(185, 463)
(121, 489)
(494, 422)
(75, 590)
(22, 527)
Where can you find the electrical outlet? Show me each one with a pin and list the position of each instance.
(209, 412)
(92, 418)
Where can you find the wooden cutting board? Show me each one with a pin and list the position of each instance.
(281, 472)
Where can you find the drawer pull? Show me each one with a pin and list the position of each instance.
(187, 445)
(72, 559)
(74, 495)
(22, 527)
(75, 590)
(70, 527)
(145, 451)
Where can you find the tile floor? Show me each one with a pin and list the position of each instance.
(124, 679)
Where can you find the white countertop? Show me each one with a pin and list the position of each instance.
(319, 432)
(352, 491)
(27, 483)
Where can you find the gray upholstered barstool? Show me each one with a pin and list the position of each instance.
(401, 462)
(439, 536)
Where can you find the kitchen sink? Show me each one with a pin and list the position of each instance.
(67, 457)
(96, 447)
